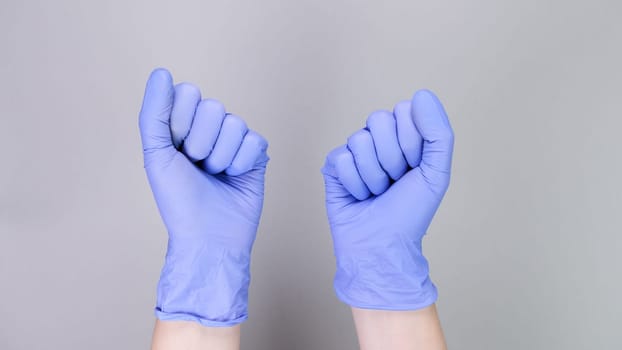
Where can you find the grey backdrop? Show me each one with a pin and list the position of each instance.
(525, 249)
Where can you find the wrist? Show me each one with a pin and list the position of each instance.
(382, 329)
(205, 284)
(374, 279)
(190, 335)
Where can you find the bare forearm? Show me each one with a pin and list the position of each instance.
(182, 335)
(399, 330)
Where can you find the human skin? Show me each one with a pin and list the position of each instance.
(184, 335)
(399, 330)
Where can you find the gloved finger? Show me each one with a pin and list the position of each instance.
(336, 193)
(361, 145)
(409, 138)
(229, 141)
(251, 153)
(343, 162)
(383, 129)
(205, 129)
(155, 112)
(187, 97)
(433, 125)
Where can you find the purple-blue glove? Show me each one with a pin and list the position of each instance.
(382, 190)
(206, 171)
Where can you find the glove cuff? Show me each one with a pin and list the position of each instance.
(376, 279)
(208, 285)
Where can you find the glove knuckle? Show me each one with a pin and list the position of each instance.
(343, 157)
(211, 105)
(402, 108)
(256, 140)
(188, 89)
(378, 118)
(359, 138)
(236, 122)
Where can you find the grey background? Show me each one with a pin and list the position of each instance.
(525, 249)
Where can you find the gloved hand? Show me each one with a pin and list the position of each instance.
(206, 171)
(382, 190)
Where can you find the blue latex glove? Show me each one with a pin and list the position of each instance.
(382, 190)
(206, 171)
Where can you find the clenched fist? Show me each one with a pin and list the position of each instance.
(382, 190)
(206, 171)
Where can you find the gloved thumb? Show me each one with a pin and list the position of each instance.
(154, 118)
(438, 138)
